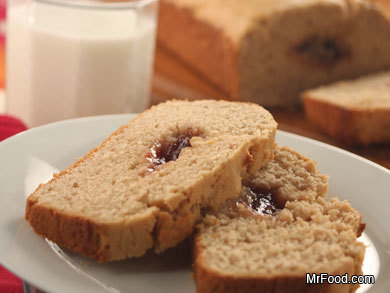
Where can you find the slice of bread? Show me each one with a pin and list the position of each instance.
(249, 247)
(290, 176)
(269, 51)
(355, 112)
(145, 186)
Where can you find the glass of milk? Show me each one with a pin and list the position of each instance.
(73, 58)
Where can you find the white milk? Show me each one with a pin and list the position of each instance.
(65, 62)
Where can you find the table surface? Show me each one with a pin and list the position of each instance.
(174, 79)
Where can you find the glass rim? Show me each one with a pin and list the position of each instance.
(100, 4)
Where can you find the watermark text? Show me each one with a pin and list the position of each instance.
(339, 279)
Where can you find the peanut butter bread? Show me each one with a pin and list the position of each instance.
(355, 111)
(290, 176)
(145, 186)
(268, 51)
(251, 247)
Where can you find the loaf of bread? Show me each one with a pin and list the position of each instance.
(384, 5)
(268, 51)
(274, 234)
(355, 112)
(145, 186)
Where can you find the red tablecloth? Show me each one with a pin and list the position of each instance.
(9, 126)
(9, 283)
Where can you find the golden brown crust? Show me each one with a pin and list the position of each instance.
(333, 120)
(73, 232)
(157, 227)
(249, 52)
(349, 125)
(232, 252)
(216, 59)
(209, 281)
(87, 237)
(360, 228)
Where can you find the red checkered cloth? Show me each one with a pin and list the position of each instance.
(9, 126)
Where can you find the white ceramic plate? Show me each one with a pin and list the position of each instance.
(31, 157)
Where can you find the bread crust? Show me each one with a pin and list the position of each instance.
(278, 51)
(217, 58)
(162, 224)
(57, 228)
(347, 124)
(87, 237)
(231, 246)
(208, 281)
(76, 233)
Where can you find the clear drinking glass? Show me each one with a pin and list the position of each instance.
(72, 58)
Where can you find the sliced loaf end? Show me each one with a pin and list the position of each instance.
(355, 111)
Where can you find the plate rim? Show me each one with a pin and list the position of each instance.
(133, 115)
(122, 119)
